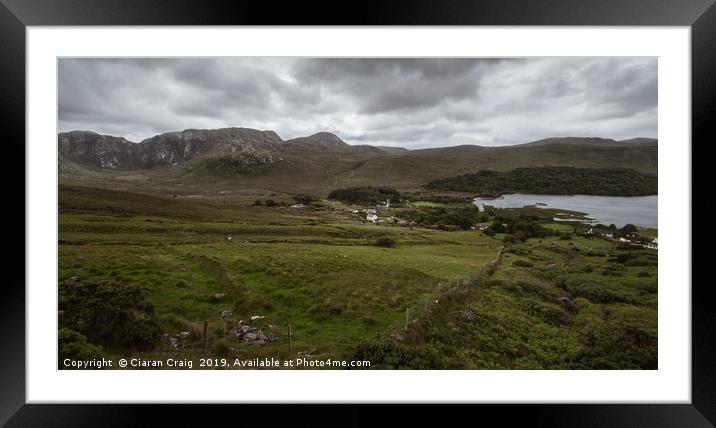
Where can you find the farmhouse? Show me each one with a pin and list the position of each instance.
(604, 233)
(384, 206)
(371, 216)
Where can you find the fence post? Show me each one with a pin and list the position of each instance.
(203, 340)
(407, 317)
(289, 341)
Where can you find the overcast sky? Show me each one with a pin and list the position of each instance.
(414, 103)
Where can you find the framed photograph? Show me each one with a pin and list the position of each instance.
(481, 204)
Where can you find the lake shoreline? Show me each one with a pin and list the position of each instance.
(619, 210)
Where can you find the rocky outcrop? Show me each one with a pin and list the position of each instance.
(227, 151)
(102, 151)
(242, 145)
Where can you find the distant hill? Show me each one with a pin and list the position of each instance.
(422, 166)
(393, 150)
(200, 158)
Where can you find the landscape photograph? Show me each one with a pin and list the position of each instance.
(240, 213)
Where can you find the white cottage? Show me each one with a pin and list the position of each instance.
(371, 216)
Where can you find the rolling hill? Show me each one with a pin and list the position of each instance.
(231, 158)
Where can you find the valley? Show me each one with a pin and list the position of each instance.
(166, 252)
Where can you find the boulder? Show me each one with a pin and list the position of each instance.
(469, 315)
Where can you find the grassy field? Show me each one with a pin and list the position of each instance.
(546, 304)
(317, 269)
(473, 301)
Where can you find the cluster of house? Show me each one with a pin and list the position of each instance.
(372, 214)
(609, 234)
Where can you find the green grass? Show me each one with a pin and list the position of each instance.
(426, 204)
(519, 323)
(318, 270)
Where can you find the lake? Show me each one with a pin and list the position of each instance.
(618, 210)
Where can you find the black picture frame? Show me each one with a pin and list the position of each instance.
(16, 15)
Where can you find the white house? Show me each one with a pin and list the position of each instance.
(384, 205)
(604, 233)
(372, 216)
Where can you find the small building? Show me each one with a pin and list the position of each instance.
(604, 233)
(371, 216)
(481, 226)
(384, 206)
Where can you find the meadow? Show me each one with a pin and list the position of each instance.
(435, 298)
(318, 269)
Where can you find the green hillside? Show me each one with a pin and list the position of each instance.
(317, 173)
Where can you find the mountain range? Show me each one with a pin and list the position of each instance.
(263, 159)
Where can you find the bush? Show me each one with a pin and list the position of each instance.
(522, 263)
(385, 242)
(601, 292)
(303, 199)
(393, 355)
(108, 314)
(220, 349)
(74, 346)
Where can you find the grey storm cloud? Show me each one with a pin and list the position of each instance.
(409, 102)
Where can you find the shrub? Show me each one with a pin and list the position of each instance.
(108, 314)
(385, 242)
(74, 346)
(522, 263)
(602, 292)
(303, 199)
(393, 355)
(220, 349)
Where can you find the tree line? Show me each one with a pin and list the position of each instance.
(553, 180)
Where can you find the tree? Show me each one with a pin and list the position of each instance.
(629, 229)
(303, 199)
